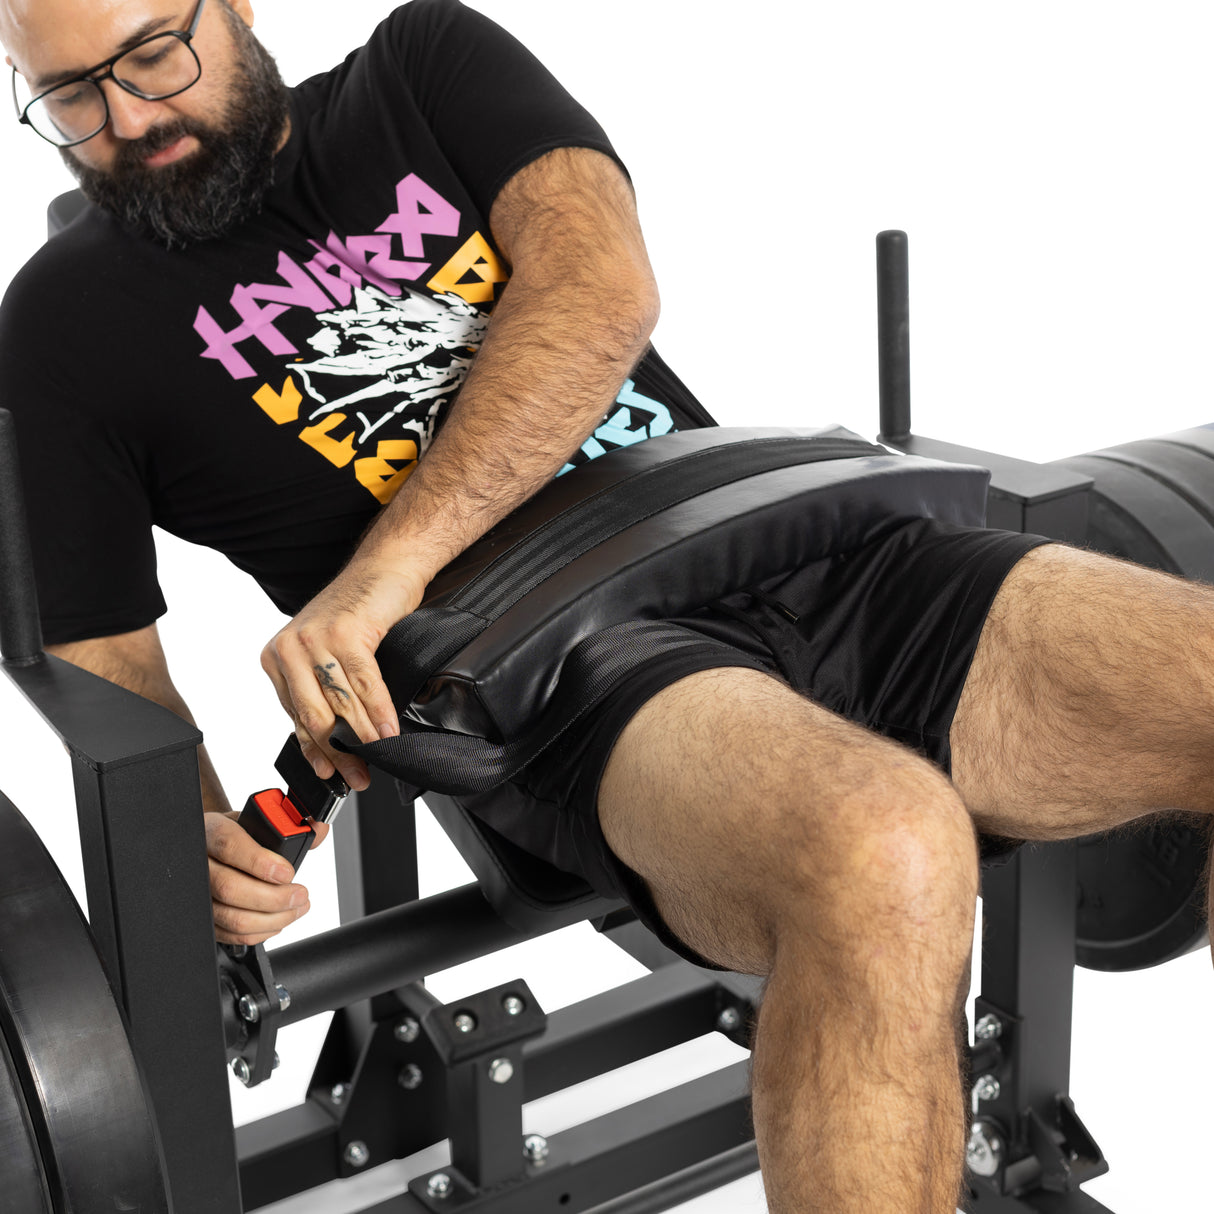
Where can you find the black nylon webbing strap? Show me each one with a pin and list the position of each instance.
(439, 760)
(422, 642)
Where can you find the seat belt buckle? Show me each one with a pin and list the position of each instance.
(276, 823)
(284, 822)
(315, 798)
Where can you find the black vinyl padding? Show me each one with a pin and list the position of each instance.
(665, 565)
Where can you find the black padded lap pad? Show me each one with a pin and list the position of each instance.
(524, 891)
(670, 562)
(674, 561)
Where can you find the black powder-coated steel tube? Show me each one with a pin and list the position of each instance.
(20, 630)
(687, 1185)
(387, 950)
(893, 334)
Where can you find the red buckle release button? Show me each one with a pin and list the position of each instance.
(280, 813)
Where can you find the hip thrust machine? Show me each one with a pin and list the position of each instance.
(113, 1048)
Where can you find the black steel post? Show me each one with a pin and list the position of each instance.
(1028, 970)
(893, 334)
(375, 846)
(376, 850)
(20, 630)
(135, 767)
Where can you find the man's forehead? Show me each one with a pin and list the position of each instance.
(51, 39)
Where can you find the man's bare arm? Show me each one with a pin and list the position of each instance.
(136, 661)
(571, 324)
(252, 891)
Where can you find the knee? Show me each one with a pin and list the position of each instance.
(891, 876)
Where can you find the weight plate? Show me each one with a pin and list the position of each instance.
(1132, 515)
(1190, 475)
(70, 1049)
(1199, 438)
(24, 1189)
(1141, 896)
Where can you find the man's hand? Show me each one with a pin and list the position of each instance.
(322, 664)
(253, 891)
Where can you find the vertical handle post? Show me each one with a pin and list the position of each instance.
(893, 335)
(20, 629)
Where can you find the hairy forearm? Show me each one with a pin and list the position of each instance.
(569, 328)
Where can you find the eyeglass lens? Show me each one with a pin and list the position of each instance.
(158, 68)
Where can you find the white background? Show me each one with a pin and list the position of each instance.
(1049, 161)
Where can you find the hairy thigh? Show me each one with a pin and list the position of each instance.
(745, 806)
(1088, 700)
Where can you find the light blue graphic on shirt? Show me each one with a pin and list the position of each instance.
(638, 417)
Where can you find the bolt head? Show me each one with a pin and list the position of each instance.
(501, 1070)
(410, 1077)
(988, 1028)
(465, 1022)
(987, 1087)
(249, 1011)
(356, 1154)
(406, 1030)
(730, 1020)
(277, 1061)
(984, 1151)
(514, 1005)
(284, 997)
(240, 1068)
(535, 1148)
(439, 1185)
(337, 1093)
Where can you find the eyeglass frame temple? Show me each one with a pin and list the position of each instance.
(106, 68)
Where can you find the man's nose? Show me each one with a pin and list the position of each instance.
(130, 116)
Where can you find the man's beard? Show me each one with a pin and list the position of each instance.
(218, 185)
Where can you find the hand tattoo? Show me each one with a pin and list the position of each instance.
(327, 682)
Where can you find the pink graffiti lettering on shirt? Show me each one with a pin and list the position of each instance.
(339, 266)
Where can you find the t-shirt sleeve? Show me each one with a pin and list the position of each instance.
(89, 517)
(493, 107)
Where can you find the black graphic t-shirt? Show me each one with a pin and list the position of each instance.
(266, 393)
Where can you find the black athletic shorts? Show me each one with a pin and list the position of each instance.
(883, 635)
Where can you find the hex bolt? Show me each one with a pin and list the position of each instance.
(514, 1005)
(730, 1020)
(465, 1022)
(406, 1030)
(240, 1068)
(284, 997)
(984, 1151)
(986, 1087)
(248, 1009)
(535, 1148)
(439, 1185)
(501, 1070)
(337, 1093)
(410, 1077)
(356, 1154)
(988, 1028)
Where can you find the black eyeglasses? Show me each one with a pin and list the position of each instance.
(158, 67)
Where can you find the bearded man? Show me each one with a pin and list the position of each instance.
(814, 808)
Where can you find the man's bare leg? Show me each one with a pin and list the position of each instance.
(780, 840)
(1090, 701)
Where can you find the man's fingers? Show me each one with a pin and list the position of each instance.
(233, 888)
(316, 688)
(235, 925)
(253, 893)
(368, 685)
(230, 845)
